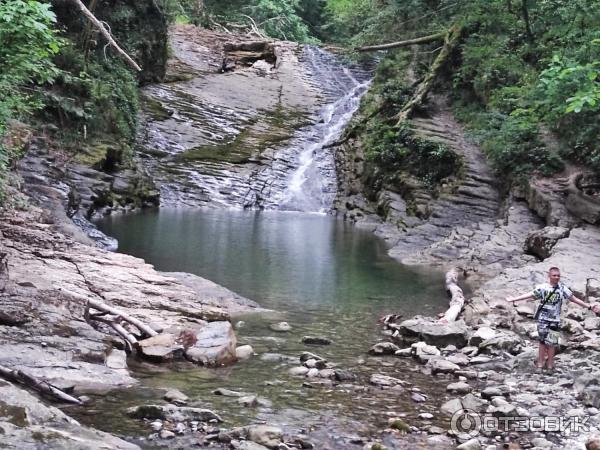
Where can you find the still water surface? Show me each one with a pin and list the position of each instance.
(324, 277)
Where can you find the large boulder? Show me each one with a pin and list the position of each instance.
(384, 348)
(440, 365)
(540, 242)
(215, 345)
(27, 423)
(505, 341)
(163, 347)
(435, 333)
(482, 334)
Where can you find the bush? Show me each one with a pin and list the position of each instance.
(394, 151)
(512, 143)
(28, 44)
(101, 94)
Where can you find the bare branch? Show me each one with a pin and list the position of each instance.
(254, 26)
(86, 12)
(96, 304)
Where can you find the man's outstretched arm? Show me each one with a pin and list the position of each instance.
(529, 296)
(577, 301)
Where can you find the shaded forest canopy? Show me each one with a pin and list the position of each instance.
(523, 77)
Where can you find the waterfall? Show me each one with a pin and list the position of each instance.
(251, 139)
(312, 185)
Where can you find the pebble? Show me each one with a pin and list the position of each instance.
(166, 434)
(418, 398)
(281, 327)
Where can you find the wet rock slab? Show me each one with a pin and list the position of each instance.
(26, 423)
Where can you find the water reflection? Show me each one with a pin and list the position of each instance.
(283, 260)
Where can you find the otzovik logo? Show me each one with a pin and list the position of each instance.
(466, 421)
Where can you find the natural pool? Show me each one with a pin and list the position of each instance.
(322, 276)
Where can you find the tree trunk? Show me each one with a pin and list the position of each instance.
(450, 41)
(525, 14)
(421, 40)
(96, 304)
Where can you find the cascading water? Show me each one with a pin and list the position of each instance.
(250, 138)
(312, 186)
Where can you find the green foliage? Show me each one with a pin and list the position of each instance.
(522, 66)
(27, 44)
(360, 22)
(396, 151)
(279, 19)
(566, 87)
(514, 147)
(101, 94)
(276, 18)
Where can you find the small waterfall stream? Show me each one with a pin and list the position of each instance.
(312, 186)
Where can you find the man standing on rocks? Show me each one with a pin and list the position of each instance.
(551, 296)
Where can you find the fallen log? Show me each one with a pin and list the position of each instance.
(421, 40)
(457, 298)
(96, 304)
(41, 386)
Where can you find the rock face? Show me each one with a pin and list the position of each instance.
(466, 223)
(247, 105)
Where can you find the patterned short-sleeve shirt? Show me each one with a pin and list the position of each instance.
(555, 298)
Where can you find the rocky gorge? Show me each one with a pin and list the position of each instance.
(482, 363)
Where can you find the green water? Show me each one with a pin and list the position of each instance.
(322, 276)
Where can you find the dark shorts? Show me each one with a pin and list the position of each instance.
(548, 333)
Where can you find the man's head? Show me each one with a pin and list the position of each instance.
(554, 275)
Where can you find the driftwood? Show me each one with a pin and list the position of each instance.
(417, 41)
(457, 298)
(102, 29)
(450, 41)
(130, 340)
(41, 386)
(96, 304)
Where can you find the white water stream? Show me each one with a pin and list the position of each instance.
(312, 186)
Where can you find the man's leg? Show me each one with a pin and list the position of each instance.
(551, 350)
(541, 355)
